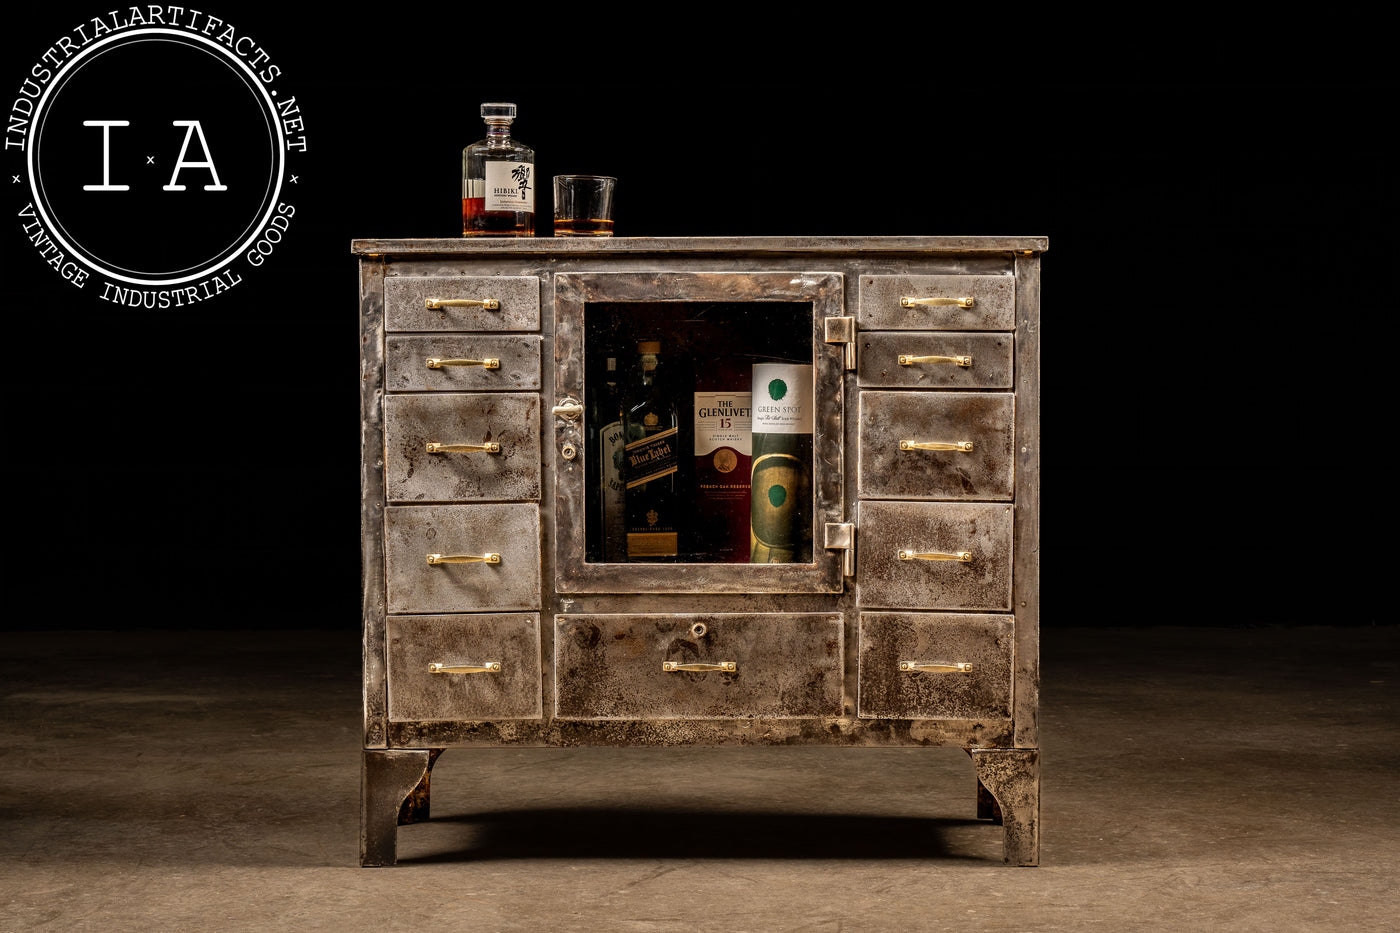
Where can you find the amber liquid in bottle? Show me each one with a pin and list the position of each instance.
(498, 180)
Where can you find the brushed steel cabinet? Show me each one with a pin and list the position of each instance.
(913, 622)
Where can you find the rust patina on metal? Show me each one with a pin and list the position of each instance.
(916, 623)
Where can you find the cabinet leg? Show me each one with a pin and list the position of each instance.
(987, 808)
(388, 777)
(417, 805)
(1011, 776)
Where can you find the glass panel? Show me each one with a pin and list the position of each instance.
(709, 329)
(670, 424)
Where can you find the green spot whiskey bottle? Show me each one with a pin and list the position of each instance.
(781, 509)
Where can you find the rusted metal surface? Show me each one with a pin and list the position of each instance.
(981, 528)
(982, 640)
(889, 471)
(509, 420)
(387, 777)
(993, 302)
(511, 640)
(405, 300)
(611, 666)
(518, 355)
(598, 634)
(511, 530)
(1012, 777)
(417, 806)
(879, 366)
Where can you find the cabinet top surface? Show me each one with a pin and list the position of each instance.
(614, 245)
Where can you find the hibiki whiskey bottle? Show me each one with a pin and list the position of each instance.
(498, 180)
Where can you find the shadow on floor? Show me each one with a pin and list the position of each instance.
(620, 832)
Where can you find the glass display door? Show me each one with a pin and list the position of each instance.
(698, 432)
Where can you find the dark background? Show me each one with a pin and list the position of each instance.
(1218, 294)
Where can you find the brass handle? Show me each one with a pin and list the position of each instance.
(907, 554)
(568, 408)
(964, 446)
(488, 363)
(437, 304)
(917, 302)
(671, 666)
(907, 360)
(485, 667)
(958, 667)
(490, 448)
(463, 559)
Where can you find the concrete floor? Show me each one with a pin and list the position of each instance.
(1194, 780)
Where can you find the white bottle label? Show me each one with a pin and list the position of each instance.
(510, 186)
(722, 420)
(782, 398)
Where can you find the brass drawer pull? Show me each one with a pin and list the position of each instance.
(490, 448)
(917, 302)
(918, 667)
(488, 363)
(907, 554)
(463, 559)
(485, 667)
(437, 304)
(670, 666)
(906, 360)
(964, 446)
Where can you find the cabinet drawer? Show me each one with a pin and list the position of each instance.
(890, 419)
(516, 357)
(981, 530)
(893, 646)
(611, 666)
(510, 530)
(406, 296)
(507, 644)
(993, 302)
(413, 422)
(988, 358)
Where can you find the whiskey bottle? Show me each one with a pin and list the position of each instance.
(606, 533)
(781, 514)
(498, 180)
(723, 458)
(651, 461)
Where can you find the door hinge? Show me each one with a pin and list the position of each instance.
(841, 536)
(842, 330)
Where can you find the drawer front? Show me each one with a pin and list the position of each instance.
(993, 302)
(611, 666)
(406, 296)
(985, 360)
(516, 358)
(413, 422)
(901, 653)
(890, 419)
(511, 530)
(983, 530)
(507, 644)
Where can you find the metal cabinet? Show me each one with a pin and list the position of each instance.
(914, 620)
